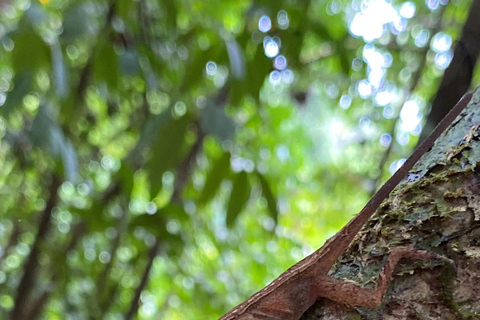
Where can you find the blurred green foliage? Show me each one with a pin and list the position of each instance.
(216, 141)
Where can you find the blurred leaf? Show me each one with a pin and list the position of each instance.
(125, 175)
(129, 62)
(22, 85)
(219, 171)
(268, 194)
(343, 55)
(321, 31)
(106, 65)
(157, 223)
(150, 132)
(292, 46)
(166, 151)
(35, 15)
(171, 12)
(258, 67)
(69, 158)
(94, 217)
(238, 197)
(77, 22)
(237, 59)
(47, 135)
(197, 65)
(126, 8)
(30, 52)
(60, 77)
(215, 122)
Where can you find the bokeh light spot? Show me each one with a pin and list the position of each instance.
(369, 22)
(151, 208)
(280, 62)
(443, 59)
(408, 9)
(282, 19)
(211, 68)
(104, 257)
(385, 139)
(388, 112)
(403, 138)
(287, 76)
(382, 98)
(180, 108)
(432, 4)
(364, 88)
(6, 302)
(396, 165)
(441, 42)
(264, 23)
(275, 77)
(421, 38)
(271, 47)
(345, 101)
(410, 115)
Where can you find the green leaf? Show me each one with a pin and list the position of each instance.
(94, 217)
(196, 67)
(238, 198)
(171, 12)
(47, 135)
(69, 158)
(268, 195)
(78, 22)
(60, 77)
(166, 151)
(35, 15)
(215, 122)
(258, 67)
(219, 171)
(22, 85)
(150, 132)
(237, 59)
(129, 62)
(30, 52)
(106, 65)
(125, 9)
(125, 175)
(157, 223)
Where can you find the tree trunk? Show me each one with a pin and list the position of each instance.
(436, 208)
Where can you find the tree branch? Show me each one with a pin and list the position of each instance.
(29, 270)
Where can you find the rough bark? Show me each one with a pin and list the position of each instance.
(436, 208)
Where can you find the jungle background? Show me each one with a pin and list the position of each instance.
(166, 159)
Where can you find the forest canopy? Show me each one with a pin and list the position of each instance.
(166, 159)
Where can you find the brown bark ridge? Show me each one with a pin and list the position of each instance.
(458, 76)
(436, 208)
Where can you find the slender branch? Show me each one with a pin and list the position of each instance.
(184, 170)
(86, 70)
(105, 298)
(27, 281)
(143, 283)
(35, 308)
(12, 241)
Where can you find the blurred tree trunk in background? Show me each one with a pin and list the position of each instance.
(458, 76)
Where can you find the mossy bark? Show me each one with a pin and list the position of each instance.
(436, 208)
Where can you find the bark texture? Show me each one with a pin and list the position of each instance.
(436, 208)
